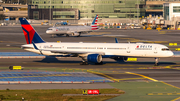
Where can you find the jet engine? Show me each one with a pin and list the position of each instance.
(75, 34)
(95, 58)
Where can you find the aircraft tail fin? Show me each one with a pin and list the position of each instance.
(94, 23)
(29, 32)
(116, 40)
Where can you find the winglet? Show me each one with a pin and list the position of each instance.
(35, 46)
(116, 40)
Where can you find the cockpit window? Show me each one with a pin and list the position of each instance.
(165, 49)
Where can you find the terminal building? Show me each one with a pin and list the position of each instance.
(13, 11)
(87, 9)
(171, 10)
(155, 7)
(108, 10)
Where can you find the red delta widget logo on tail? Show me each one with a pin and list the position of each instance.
(30, 34)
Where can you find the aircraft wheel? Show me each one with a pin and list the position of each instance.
(84, 63)
(67, 35)
(101, 63)
(156, 64)
(79, 35)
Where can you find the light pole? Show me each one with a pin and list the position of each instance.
(50, 13)
(137, 12)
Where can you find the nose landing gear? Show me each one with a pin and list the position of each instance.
(156, 62)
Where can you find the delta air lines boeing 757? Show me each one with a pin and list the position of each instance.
(73, 30)
(91, 52)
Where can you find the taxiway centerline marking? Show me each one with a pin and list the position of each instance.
(142, 76)
(103, 75)
(170, 85)
(129, 78)
(163, 94)
(175, 99)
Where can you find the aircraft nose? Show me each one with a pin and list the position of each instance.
(170, 53)
(47, 31)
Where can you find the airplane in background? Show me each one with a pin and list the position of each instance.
(91, 52)
(73, 30)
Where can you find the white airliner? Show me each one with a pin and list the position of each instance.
(91, 52)
(73, 30)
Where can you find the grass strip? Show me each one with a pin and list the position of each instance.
(55, 95)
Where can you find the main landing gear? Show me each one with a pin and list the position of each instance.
(101, 63)
(67, 35)
(84, 63)
(156, 62)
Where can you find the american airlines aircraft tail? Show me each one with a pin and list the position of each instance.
(94, 23)
(91, 52)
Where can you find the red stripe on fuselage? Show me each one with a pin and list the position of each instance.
(31, 33)
(94, 28)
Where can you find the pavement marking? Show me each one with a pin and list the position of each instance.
(129, 78)
(149, 41)
(176, 99)
(170, 85)
(98, 33)
(122, 79)
(116, 73)
(103, 75)
(131, 68)
(99, 80)
(142, 76)
(162, 32)
(163, 94)
(114, 35)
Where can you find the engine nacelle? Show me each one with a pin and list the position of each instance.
(95, 58)
(75, 34)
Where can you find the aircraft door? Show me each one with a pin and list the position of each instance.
(128, 50)
(155, 50)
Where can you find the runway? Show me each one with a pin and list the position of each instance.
(142, 70)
